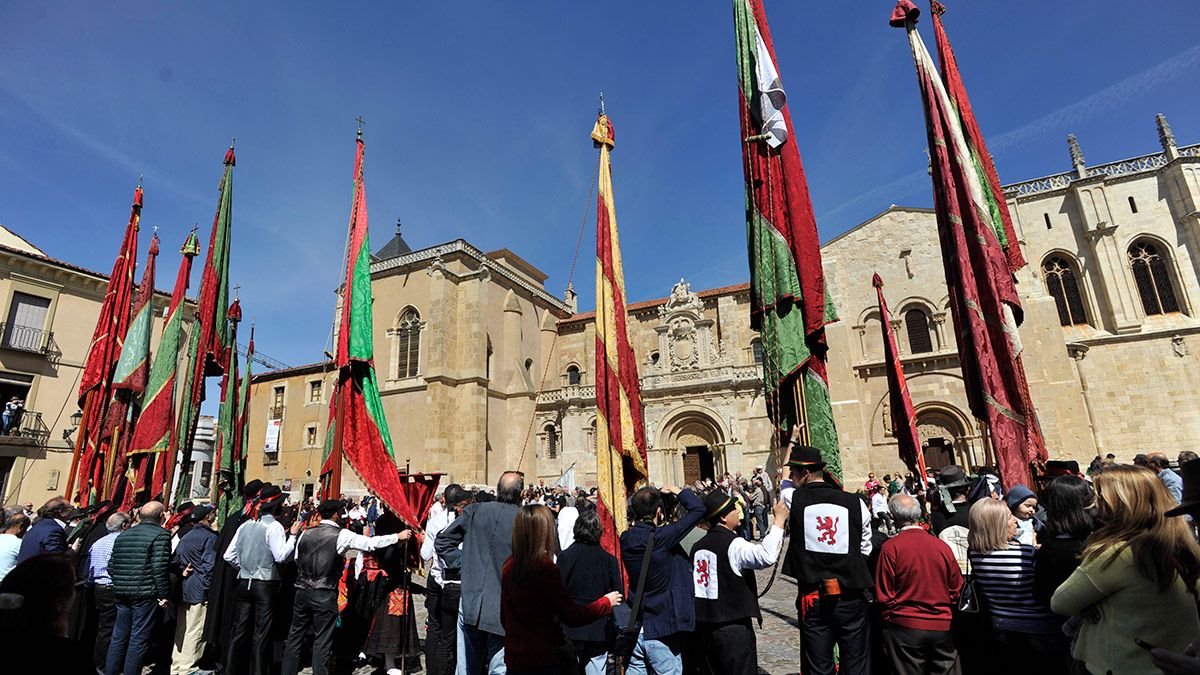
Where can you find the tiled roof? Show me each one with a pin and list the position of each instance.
(270, 375)
(710, 293)
(74, 268)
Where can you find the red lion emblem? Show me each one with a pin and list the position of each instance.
(827, 525)
(702, 572)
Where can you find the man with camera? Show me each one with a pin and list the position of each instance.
(668, 610)
(827, 556)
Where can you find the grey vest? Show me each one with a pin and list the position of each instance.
(254, 555)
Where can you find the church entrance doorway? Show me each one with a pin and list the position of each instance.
(698, 464)
(939, 452)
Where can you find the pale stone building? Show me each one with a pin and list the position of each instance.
(49, 308)
(1110, 336)
(461, 342)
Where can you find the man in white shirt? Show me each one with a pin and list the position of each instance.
(443, 591)
(320, 559)
(15, 523)
(879, 507)
(259, 546)
(725, 589)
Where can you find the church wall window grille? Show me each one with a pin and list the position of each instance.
(756, 349)
(551, 441)
(1046, 217)
(409, 336)
(573, 377)
(1132, 205)
(920, 340)
(1153, 279)
(1063, 284)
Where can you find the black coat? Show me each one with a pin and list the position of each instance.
(589, 572)
(218, 621)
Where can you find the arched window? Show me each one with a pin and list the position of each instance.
(1152, 277)
(654, 358)
(551, 441)
(573, 375)
(1064, 288)
(756, 349)
(920, 340)
(409, 335)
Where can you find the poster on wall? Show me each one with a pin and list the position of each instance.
(272, 443)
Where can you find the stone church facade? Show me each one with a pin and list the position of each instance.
(501, 372)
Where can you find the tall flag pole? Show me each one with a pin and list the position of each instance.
(989, 181)
(620, 437)
(904, 419)
(208, 342)
(129, 382)
(154, 435)
(96, 381)
(242, 429)
(983, 294)
(789, 306)
(227, 479)
(358, 430)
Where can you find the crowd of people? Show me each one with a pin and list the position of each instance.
(1086, 572)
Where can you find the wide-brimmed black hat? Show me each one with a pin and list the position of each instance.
(331, 507)
(717, 503)
(1191, 490)
(455, 494)
(952, 476)
(805, 457)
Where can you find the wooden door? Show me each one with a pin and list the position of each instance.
(691, 466)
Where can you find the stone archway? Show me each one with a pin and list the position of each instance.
(946, 437)
(691, 446)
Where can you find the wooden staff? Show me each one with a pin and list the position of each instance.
(80, 442)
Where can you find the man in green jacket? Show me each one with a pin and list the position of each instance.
(138, 568)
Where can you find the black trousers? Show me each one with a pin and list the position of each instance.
(254, 605)
(106, 616)
(729, 648)
(920, 652)
(314, 608)
(448, 628)
(835, 620)
(434, 662)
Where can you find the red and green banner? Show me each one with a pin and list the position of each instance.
(904, 419)
(208, 342)
(989, 181)
(95, 385)
(358, 430)
(982, 291)
(154, 434)
(620, 437)
(129, 381)
(228, 471)
(789, 306)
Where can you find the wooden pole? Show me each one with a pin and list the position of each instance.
(109, 464)
(339, 431)
(801, 402)
(80, 443)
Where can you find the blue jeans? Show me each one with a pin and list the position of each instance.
(130, 636)
(478, 650)
(661, 658)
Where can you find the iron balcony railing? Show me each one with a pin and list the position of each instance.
(27, 425)
(275, 412)
(26, 338)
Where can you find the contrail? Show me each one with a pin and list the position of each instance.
(1075, 113)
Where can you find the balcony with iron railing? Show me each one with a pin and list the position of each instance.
(27, 429)
(21, 338)
(275, 412)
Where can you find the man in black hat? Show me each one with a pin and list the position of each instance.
(952, 506)
(723, 582)
(320, 559)
(827, 556)
(258, 549)
(194, 559)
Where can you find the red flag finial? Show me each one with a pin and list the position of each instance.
(937, 8)
(876, 281)
(235, 311)
(154, 244)
(230, 158)
(137, 195)
(904, 12)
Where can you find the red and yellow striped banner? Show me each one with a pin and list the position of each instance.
(620, 439)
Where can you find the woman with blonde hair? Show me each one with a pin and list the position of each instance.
(534, 600)
(1025, 635)
(1136, 586)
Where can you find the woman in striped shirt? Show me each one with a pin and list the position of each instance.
(1025, 634)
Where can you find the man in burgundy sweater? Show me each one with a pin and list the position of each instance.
(917, 583)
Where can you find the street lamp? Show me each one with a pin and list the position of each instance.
(76, 420)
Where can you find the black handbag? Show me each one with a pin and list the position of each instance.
(968, 598)
(627, 637)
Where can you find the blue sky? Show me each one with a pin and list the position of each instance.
(478, 116)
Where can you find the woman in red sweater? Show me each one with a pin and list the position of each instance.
(533, 599)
